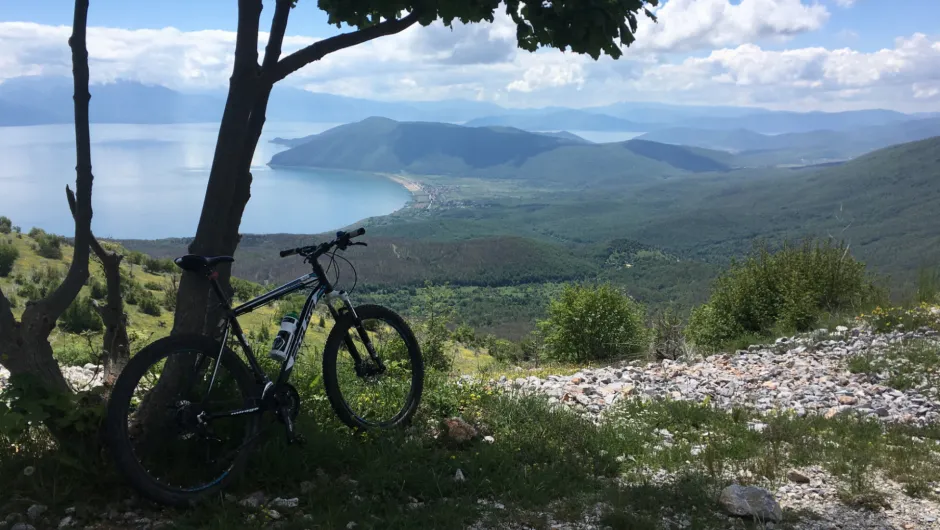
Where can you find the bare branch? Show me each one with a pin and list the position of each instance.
(93, 241)
(320, 49)
(56, 303)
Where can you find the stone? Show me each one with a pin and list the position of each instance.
(255, 500)
(274, 514)
(350, 525)
(831, 413)
(750, 501)
(489, 439)
(23, 526)
(285, 503)
(66, 522)
(459, 476)
(35, 511)
(795, 476)
(848, 400)
(459, 431)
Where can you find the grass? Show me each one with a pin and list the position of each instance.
(911, 364)
(647, 460)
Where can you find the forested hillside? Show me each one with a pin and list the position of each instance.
(379, 144)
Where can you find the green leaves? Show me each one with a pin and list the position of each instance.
(592, 27)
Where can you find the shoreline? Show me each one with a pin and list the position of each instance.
(420, 199)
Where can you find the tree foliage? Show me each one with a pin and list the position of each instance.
(587, 323)
(8, 255)
(789, 289)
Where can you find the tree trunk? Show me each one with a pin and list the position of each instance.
(25, 344)
(115, 345)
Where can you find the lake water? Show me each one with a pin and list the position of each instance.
(150, 181)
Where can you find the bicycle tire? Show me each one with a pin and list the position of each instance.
(331, 350)
(119, 405)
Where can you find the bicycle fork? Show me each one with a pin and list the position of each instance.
(361, 370)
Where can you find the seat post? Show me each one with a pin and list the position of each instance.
(214, 281)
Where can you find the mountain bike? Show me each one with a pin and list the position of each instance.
(188, 408)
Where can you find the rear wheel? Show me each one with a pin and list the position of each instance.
(171, 436)
(371, 397)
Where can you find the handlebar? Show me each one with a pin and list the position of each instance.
(341, 241)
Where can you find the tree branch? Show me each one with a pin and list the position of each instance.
(56, 303)
(320, 49)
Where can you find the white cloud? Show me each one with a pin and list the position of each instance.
(695, 24)
(482, 62)
(845, 3)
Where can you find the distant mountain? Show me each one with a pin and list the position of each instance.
(120, 102)
(383, 145)
(808, 147)
(576, 120)
(565, 135)
(778, 122)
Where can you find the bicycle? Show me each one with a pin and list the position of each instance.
(168, 409)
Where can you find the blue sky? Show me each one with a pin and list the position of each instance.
(800, 54)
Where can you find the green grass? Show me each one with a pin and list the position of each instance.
(540, 456)
(913, 364)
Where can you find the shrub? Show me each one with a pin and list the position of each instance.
(464, 334)
(48, 245)
(170, 288)
(245, 290)
(81, 316)
(148, 304)
(588, 323)
(153, 286)
(928, 285)
(136, 258)
(891, 318)
(8, 255)
(30, 292)
(667, 335)
(790, 290)
(6, 226)
(157, 266)
(435, 312)
(97, 288)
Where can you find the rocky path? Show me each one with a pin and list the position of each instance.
(806, 374)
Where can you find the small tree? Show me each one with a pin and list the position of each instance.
(8, 255)
(81, 316)
(587, 323)
(6, 225)
(435, 312)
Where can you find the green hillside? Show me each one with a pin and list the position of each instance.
(420, 148)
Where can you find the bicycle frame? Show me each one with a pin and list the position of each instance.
(320, 287)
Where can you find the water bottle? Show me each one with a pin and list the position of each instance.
(284, 336)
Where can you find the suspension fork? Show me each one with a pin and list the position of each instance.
(363, 336)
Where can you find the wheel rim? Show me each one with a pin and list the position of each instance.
(170, 428)
(377, 400)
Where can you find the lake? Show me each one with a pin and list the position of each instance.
(150, 182)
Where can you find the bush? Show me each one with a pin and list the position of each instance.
(788, 290)
(6, 225)
(8, 255)
(435, 312)
(97, 288)
(136, 258)
(148, 304)
(48, 245)
(153, 286)
(465, 334)
(245, 290)
(81, 316)
(170, 288)
(157, 266)
(587, 323)
(667, 335)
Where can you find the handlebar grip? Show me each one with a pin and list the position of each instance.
(285, 253)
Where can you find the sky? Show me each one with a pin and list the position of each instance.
(828, 55)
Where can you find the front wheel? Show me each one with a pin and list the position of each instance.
(367, 396)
